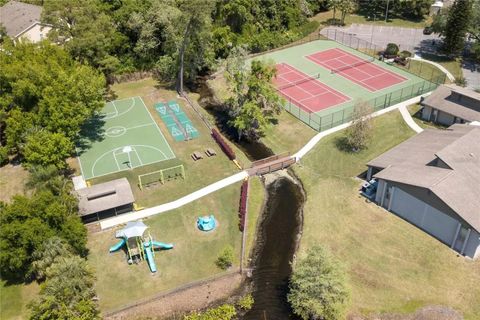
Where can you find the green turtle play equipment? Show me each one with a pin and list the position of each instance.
(139, 246)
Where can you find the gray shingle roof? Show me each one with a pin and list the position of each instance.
(17, 16)
(457, 185)
(443, 100)
(104, 196)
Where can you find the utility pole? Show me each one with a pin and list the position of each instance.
(386, 11)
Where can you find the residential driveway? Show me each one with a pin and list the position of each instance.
(471, 73)
(410, 39)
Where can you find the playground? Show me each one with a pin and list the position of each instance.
(123, 136)
(322, 80)
(192, 257)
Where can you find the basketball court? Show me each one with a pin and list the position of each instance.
(305, 91)
(361, 71)
(123, 136)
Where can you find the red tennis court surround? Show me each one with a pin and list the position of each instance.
(358, 70)
(305, 91)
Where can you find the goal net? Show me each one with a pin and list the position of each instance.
(161, 176)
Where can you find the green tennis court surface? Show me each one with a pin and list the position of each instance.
(374, 82)
(177, 122)
(122, 137)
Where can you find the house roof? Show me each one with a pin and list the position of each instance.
(16, 17)
(444, 99)
(456, 182)
(104, 196)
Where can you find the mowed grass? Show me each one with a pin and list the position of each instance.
(14, 299)
(193, 257)
(392, 265)
(198, 173)
(324, 17)
(256, 199)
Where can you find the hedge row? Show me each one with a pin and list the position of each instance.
(223, 145)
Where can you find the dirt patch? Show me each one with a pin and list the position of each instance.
(12, 181)
(182, 301)
(425, 313)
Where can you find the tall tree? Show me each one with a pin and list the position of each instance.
(346, 7)
(358, 134)
(43, 88)
(85, 30)
(44, 257)
(67, 292)
(196, 20)
(254, 102)
(458, 22)
(318, 286)
(28, 222)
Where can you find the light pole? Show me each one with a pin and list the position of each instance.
(386, 11)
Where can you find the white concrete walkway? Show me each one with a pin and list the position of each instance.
(124, 218)
(409, 120)
(439, 66)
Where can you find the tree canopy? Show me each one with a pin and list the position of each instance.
(458, 23)
(28, 222)
(254, 101)
(45, 95)
(318, 286)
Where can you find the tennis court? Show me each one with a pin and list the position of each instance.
(356, 69)
(123, 136)
(307, 92)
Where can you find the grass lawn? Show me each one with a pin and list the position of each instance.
(392, 265)
(14, 299)
(217, 167)
(12, 181)
(323, 17)
(452, 65)
(192, 258)
(256, 198)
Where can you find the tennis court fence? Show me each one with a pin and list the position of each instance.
(324, 122)
(421, 70)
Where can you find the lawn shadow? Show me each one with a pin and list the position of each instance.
(92, 131)
(342, 144)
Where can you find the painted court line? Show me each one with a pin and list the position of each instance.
(320, 84)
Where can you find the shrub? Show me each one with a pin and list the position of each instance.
(461, 81)
(224, 312)
(3, 155)
(358, 134)
(223, 145)
(318, 286)
(405, 54)
(225, 259)
(246, 302)
(392, 49)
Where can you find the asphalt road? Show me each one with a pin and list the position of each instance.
(409, 39)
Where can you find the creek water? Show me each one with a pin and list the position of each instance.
(278, 233)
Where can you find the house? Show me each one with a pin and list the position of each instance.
(450, 104)
(105, 200)
(432, 180)
(22, 21)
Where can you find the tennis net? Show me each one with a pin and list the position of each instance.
(295, 83)
(353, 65)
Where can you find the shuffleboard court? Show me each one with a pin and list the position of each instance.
(122, 136)
(361, 71)
(305, 91)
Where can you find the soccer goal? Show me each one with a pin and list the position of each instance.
(161, 176)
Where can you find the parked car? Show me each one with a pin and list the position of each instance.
(428, 30)
(369, 189)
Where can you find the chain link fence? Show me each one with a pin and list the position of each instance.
(430, 77)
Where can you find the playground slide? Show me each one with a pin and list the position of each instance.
(117, 246)
(149, 254)
(161, 245)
